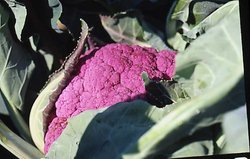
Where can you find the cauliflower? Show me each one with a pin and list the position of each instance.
(106, 76)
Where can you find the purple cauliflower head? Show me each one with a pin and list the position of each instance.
(106, 76)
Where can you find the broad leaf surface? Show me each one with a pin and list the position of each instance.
(16, 67)
(43, 105)
(236, 129)
(202, 58)
(36, 115)
(20, 13)
(189, 19)
(129, 27)
(15, 64)
(109, 130)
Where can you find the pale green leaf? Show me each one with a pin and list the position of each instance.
(220, 58)
(20, 15)
(16, 67)
(108, 131)
(51, 91)
(189, 19)
(56, 7)
(36, 114)
(130, 27)
(15, 64)
(236, 131)
(16, 145)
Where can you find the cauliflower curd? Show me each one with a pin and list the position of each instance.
(106, 76)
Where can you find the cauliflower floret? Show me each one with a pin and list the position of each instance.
(109, 75)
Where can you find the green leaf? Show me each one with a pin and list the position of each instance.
(220, 59)
(195, 64)
(236, 129)
(36, 115)
(16, 67)
(130, 27)
(198, 144)
(20, 15)
(164, 92)
(175, 90)
(107, 131)
(44, 104)
(15, 64)
(110, 131)
(56, 7)
(16, 145)
(189, 19)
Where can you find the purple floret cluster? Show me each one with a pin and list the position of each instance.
(106, 76)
